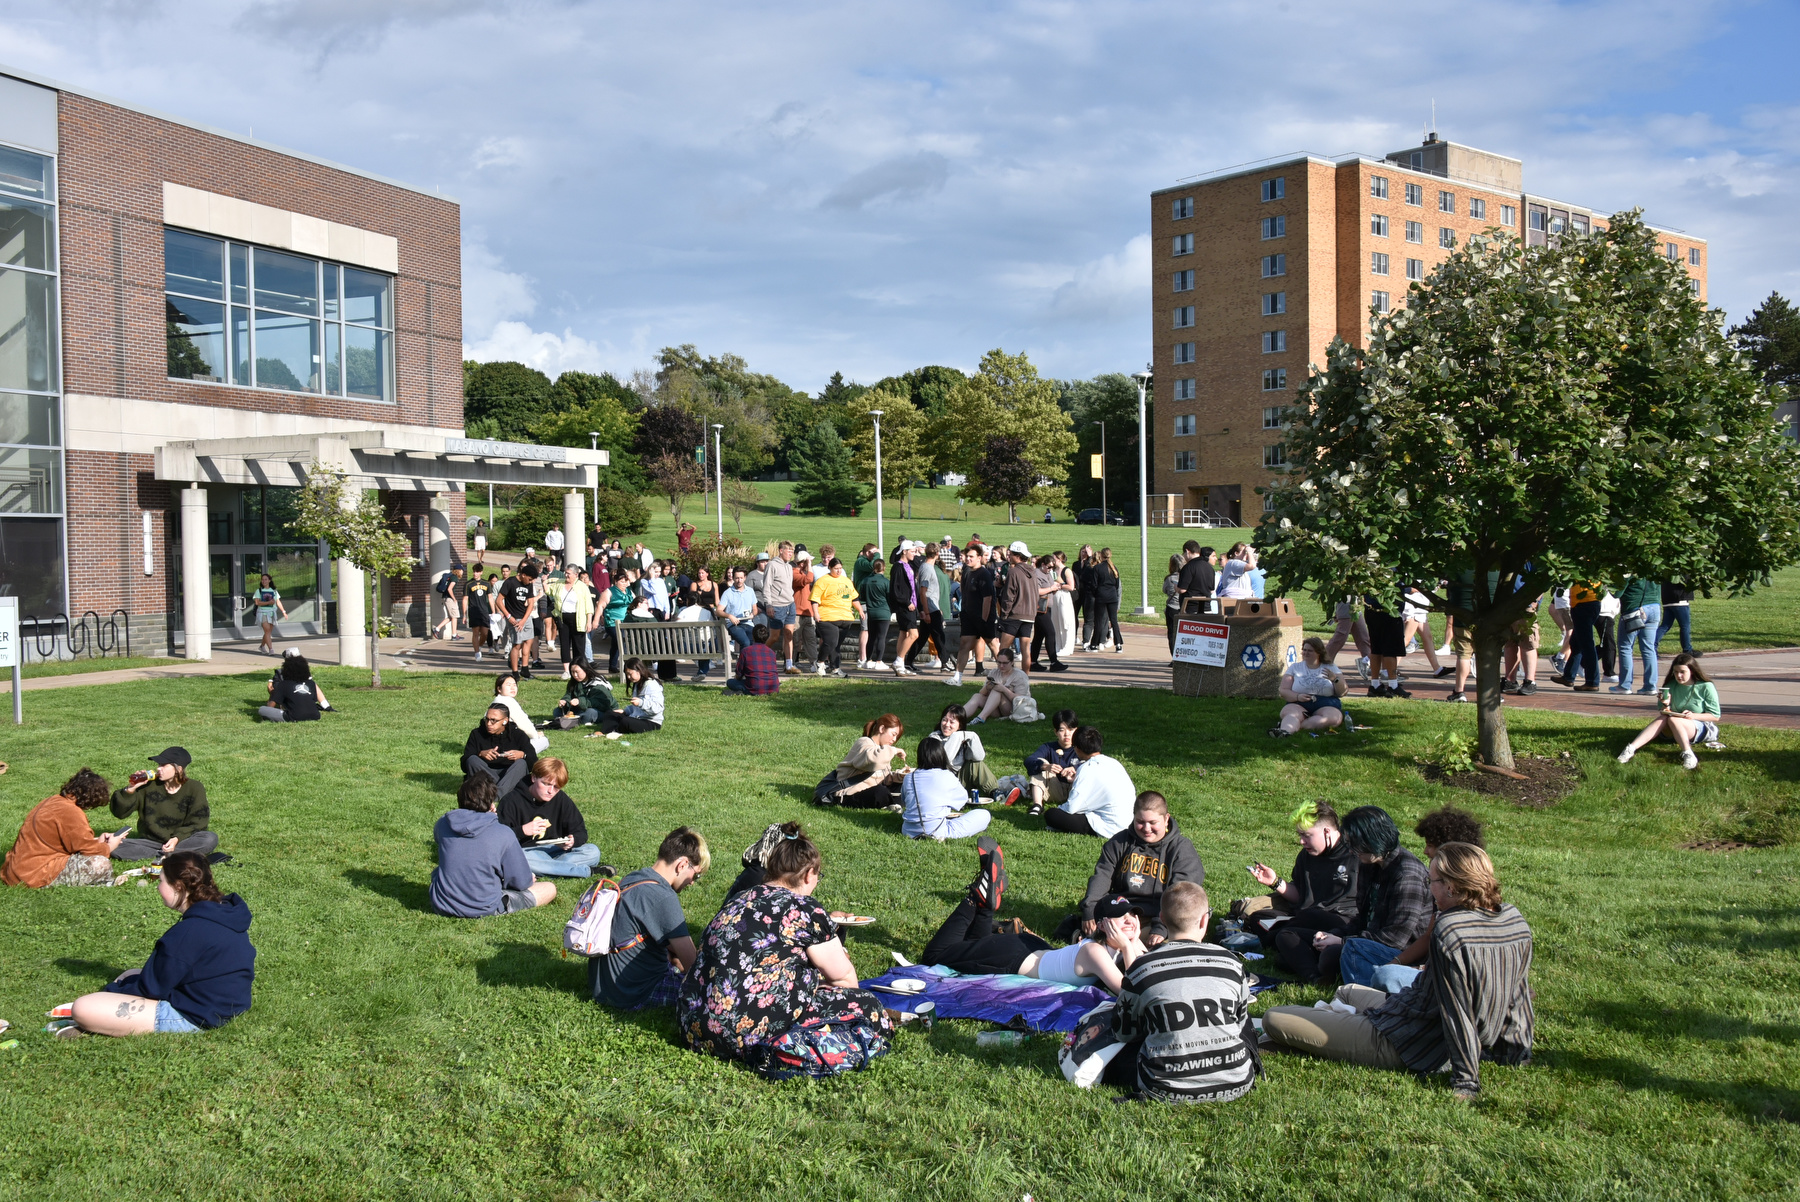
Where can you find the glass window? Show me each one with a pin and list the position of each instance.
(1275, 379)
(1272, 417)
(1184, 317)
(28, 419)
(1509, 215)
(1184, 390)
(1275, 456)
(22, 171)
(1378, 187)
(1415, 269)
(240, 345)
(1184, 424)
(1184, 352)
(250, 518)
(368, 361)
(1415, 194)
(334, 358)
(287, 282)
(1182, 208)
(1183, 244)
(1447, 238)
(295, 571)
(196, 339)
(1415, 232)
(1184, 461)
(280, 511)
(30, 480)
(1378, 224)
(1379, 301)
(1273, 303)
(1274, 189)
(240, 274)
(1477, 207)
(28, 331)
(1274, 341)
(194, 266)
(1273, 265)
(369, 298)
(1446, 202)
(1378, 263)
(27, 235)
(1274, 227)
(31, 565)
(287, 352)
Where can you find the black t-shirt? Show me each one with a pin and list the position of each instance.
(977, 586)
(515, 594)
(1197, 578)
(298, 701)
(478, 603)
(1328, 882)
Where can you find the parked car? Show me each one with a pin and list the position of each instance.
(1091, 517)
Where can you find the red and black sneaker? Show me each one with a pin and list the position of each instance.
(1007, 797)
(990, 884)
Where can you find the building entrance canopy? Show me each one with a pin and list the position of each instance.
(385, 458)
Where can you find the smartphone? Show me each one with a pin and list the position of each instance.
(121, 832)
(1250, 868)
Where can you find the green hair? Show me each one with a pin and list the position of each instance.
(1311, 813)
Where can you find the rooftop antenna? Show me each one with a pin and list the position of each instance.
(1434, 117)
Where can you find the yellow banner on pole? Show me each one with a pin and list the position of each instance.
(1096, 467)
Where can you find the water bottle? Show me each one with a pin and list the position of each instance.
(1000, 1039)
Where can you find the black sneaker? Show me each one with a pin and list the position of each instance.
(1509, 685)
(1059, 667)
(1378, 690)
(607, 871)
(1400, 691)
(1457, 697)
(1443, 670)
(1528, 688)
(990, 885)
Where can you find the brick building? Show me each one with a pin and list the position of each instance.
(1256, 270)
(190, 320)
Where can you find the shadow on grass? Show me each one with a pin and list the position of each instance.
(1774, 930)
(437, 782)
(413, 894)
(90, 969)
(533, 966)
(1696, 1024)
(1751, 1099)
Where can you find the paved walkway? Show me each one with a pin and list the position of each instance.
(1759, 688)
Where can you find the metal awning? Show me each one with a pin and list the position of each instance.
(395, 460)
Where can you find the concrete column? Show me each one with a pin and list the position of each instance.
(353, 638)
(196, 574)
(574, 528)
(439, 554)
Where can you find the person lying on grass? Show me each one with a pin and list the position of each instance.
(1320, 896)
(772, 987)
(1472, 1002)
(971, 943)
(652, 949)
(481, 870)
(1690, 713)
(1183, 1014)
(1390, 969)
(867, 778)
(932, 799)
(197, 978)
(498, 750)
(1140, 862)
(170, 807)
(1310, 687)
(56, 846)
(1393, 905)
(539, 812)
(1051, 768)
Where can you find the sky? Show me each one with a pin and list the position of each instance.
(867, 188)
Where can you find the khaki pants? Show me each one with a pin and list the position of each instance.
(1335, 1036)
(1048, 790)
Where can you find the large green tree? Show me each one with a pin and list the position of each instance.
(724, 390)
(1534, 416)
(828, 483)
(1770, 336)
(582, 405)
(1111, 398)
(931, 388)
(1006, 398)
(503, 400)
(907, 455)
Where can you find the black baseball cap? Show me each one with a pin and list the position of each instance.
(173, 755)
(1116, 906)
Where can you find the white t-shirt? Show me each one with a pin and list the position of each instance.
(1320, 681)
(1234, 580)
(553, 539)
(1415, 606)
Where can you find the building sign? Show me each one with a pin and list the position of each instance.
(1201, 643)
(9, 632)
(489, 449)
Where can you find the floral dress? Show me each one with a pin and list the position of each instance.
(753, 996)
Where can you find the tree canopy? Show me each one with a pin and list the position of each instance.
(907, 454)
(828, 481)
(1770, 337)
(1111, 398)
(503, 400)
(1006, 398)
(1534, 416)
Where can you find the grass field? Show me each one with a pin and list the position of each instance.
(76, 667)
(394, 1054)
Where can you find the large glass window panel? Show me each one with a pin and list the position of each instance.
(253, 570)
(295, 571)
(240, 274)
(251, 518)
(287, 282)
(331, 289)
(240, 345)
(196, 339)
(30, 481)
(287, 351)
(27, 331)
(27, 234)
(366, 355)
(223, 598)
(31, 565)
(280, 512)
(334, 358)
(29, 419)
(22, 171)
(193, 265)
(368, 298)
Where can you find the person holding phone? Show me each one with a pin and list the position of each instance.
(170, 810)
(267, 600)
(55, 844)
(1689, 714)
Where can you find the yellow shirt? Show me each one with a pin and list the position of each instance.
(1583, 591)
(834, 596)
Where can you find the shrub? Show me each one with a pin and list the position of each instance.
(717, 555)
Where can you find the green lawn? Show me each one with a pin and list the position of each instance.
(395, 1054)
(75, 667)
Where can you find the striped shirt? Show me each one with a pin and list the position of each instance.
(1188, 1003)
(1472, 1002)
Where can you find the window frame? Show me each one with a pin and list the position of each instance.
(1446, 238)
(1274, 304)
(1415, 195)
(1184, 317)
(1185, 425)
(1178, 244)
(1378, 225)
(1184, 281)
(1274, 379)
(1446, 202)
(1274, 188)
(1186, 461)
(1478, 208)
(1278, 264)
(1274, 342)
(1379, 263)
(1415, 269)
(1274, 227)
(1509, 215)
(1415, 227)
(1378, 187)
(1182, 353)
(1275, 455)
(1272, 417)
(1182, 208)
(1184, 388)
(1380, 301)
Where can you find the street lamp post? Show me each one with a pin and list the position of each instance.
(719, 480)
(594, 444)
(1143, 379)
(1103, 517)
(880, 537)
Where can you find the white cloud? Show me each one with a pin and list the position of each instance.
(491, 294)
(1112, 286)
(550, 353)
(903, 177)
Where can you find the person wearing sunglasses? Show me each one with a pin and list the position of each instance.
(498, 750)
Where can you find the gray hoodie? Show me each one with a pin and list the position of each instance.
(1143, 871)
(477, 858)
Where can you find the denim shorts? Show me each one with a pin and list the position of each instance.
(780, 615)
(1709, 733)
(169, 1021)
(1322, 703)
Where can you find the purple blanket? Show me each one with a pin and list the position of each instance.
(1023, 1003)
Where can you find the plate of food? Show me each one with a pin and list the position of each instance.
(851, 920)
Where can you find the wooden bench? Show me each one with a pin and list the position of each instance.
(683, 642)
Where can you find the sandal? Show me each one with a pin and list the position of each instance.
(1275, 732)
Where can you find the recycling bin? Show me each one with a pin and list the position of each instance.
(1234, 648)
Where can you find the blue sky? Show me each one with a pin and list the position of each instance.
(868, 188)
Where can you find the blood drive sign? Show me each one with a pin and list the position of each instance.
(1203, 643)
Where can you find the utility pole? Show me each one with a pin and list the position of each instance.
(719, 480)
(880, 539)
(1143, 379)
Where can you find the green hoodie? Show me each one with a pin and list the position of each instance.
(1638, 593)
(592, 694)
(162, 815)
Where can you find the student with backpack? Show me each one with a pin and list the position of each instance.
(450, 592)
(647, 947)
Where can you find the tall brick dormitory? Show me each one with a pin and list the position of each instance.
(189, 321)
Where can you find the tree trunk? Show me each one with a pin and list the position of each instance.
(1490, 654)
(375, 631)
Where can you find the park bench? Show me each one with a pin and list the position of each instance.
(682, 642)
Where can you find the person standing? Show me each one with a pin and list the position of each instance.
(838, 610)
(1676, 607)
(1640, 614)
(1084, 595)
(481, 530)
(450, 588)
(480, 615)
(1062, 605)
(619, 600)
(1044, 633)
(1106, 602)
(1172, 594)
(932, 587)
(976, 622)
(553, 545)
(779, 604)
(684, 538)
(574, 607)
(267, 600)
(1199, 579)
(1584, 615)
(518, 607)
(806, 630)
(874, 597)
(1018, 600)
(907, 604)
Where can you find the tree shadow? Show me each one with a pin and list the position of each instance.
(1695, 1024)
(90, 969)
(437, 782)
(1773, 930)
(413, 894)
(521, 965)
(1751, 1099)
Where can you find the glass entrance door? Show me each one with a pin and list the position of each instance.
(250, 569)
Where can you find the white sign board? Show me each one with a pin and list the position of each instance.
(1202, 643)
(9, 632)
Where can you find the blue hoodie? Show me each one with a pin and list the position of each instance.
(477, 858)
(202, 966)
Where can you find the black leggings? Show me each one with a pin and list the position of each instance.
(1292, 941)
(967, 943)
(831, 642)
(1170, 616)
(931, 626)
(568, 636)
(878, 628)
(625, 724)
(1059, 819)
(1106, 613)
(1042, 637)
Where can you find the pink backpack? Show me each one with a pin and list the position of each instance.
(589, 929)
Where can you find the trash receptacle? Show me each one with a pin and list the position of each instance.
(1239, 650)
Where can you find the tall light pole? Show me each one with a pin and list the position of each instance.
(1103, 519)
(1143, 379)
(719, 480)
(880, 538)
(594, 444)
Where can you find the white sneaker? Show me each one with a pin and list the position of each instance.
(819, 671)
(1445, 650)
(1362, 667)
(478, 657)
(931, 661)
(1625, 756)
(862, 665)
(1689, 760)
(954, 680)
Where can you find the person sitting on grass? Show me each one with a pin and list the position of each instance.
(171, 810)
(1183, 1014)
(758, 668)
(1141, 862)
(1472, 1002)
(1389, 969)
(197, 978)
(1320, 896)
(56, 846)
(1101, 796)
(651, 947)
(1310, 687)
(498, 750)
(1690, 713)
(1051, 768)
(481, 871)
(586, 697)
(966, 755)
(1004, 688)
(643, 712)
(294, 696)
(772, 987)
(932, 799)
(866, 778)
(1393, 902)
(539, 812)
(506, 694)
(969, 941)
